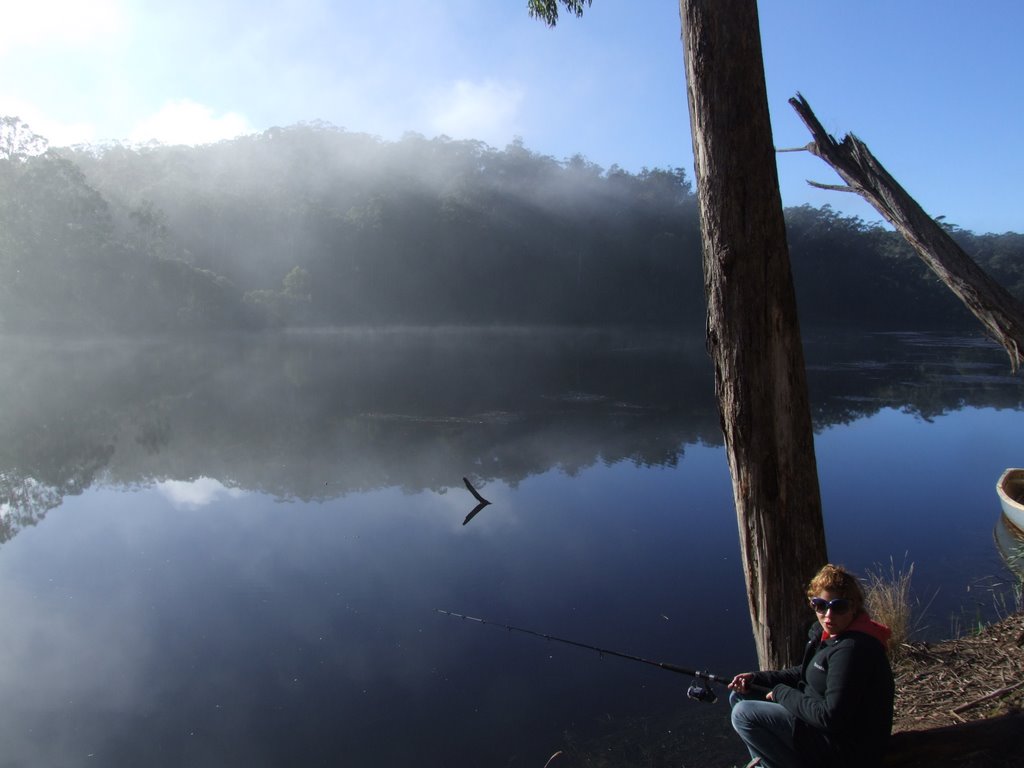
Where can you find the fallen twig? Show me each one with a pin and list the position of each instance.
(988, 697)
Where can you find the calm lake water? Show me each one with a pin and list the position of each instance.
(232, 552)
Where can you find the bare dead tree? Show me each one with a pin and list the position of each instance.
(753, 334)
(1000, 313)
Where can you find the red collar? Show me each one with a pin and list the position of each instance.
(862, 622)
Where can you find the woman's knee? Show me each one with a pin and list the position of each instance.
(742, 714)
(735, 698)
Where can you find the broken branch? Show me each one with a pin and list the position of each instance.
(999, 312)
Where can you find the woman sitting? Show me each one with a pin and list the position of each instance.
(835, 708)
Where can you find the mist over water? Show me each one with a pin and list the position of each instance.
(231, 550)
(315, 226)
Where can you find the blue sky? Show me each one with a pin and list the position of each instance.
(932, 87)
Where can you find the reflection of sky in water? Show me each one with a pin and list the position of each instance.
(197, 493)
(193, 624)
(894, 484)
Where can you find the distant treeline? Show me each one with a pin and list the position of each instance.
(315, 225)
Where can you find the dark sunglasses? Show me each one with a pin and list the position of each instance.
(837, 606)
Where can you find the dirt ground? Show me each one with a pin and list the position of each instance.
(957, 681)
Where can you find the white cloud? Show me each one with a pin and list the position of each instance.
(56, 132)
(198, 493)
(485, 111)
(185, 122)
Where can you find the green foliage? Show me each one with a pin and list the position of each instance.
(852, 274)
(57, 246)
(194, 299)
(71, 260)
(547, 10)
(418, 231)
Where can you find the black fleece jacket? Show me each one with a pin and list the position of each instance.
(841, 696)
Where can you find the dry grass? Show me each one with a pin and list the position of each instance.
(961, 679)
(888, 601)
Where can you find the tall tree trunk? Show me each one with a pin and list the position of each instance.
(753, 334)
(999, 312)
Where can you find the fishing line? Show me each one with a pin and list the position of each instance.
(695, 691)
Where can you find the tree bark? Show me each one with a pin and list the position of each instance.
(753, 334)
(999, 312)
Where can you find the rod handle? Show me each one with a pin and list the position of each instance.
(711, 678)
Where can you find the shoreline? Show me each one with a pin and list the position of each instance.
(938, 684)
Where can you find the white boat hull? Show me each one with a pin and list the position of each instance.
(1011, 495)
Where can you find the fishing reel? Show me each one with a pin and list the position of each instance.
(699, 692)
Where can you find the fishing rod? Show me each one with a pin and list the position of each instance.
(696, 692)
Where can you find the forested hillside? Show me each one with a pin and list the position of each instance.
(315, 225)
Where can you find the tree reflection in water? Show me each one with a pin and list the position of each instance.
(253, 532)
(317, 415)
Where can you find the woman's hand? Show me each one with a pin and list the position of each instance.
(741, 682)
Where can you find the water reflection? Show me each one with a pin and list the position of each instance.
(246, 540)
(481, 501)
(145, 627)
(314, 416)
(1010, 543)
